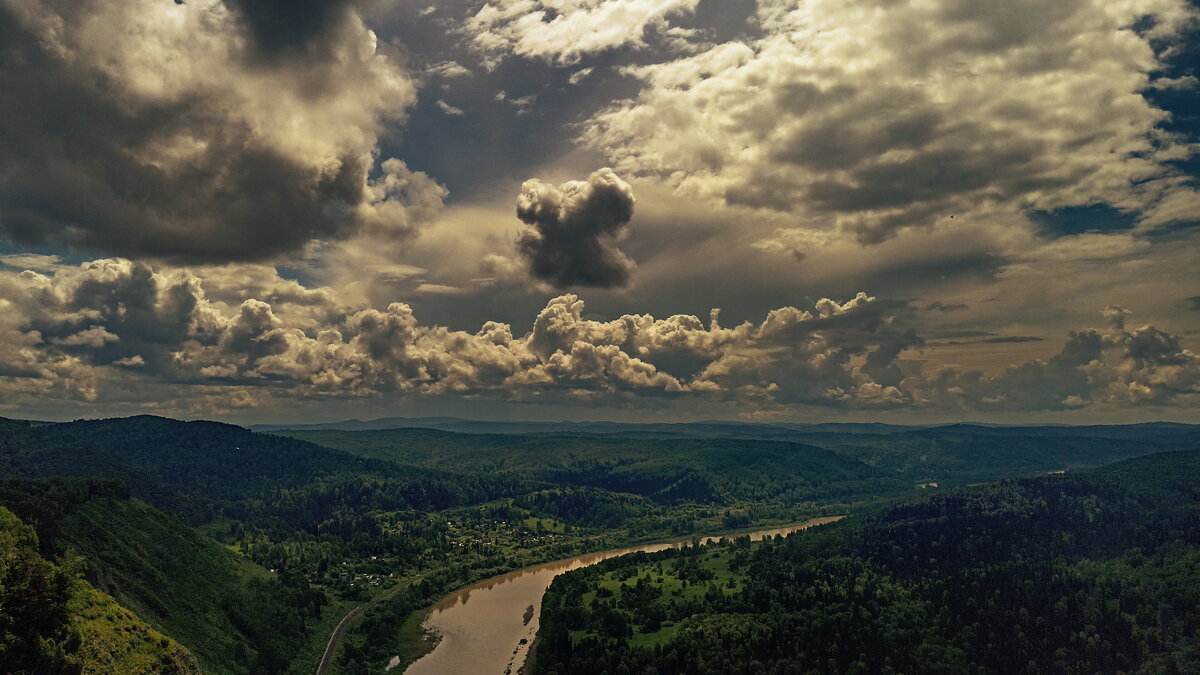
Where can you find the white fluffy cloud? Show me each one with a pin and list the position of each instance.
(874, 116)
(563, 31)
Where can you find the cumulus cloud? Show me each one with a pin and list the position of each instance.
(797, 241)
(1113, 368)
(448, 69)
(523, 104)
(564, 31)
(88, 328)
(873, 116)
(447, 108)
(242, 335)
(573, 228)
(198, 131)
(580, 75)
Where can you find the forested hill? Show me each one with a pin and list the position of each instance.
(199, 471)
(1088, 573)
(818, 463)
(666, 470)
(307, 511)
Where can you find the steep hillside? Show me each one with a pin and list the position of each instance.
(233, 615)
(51, 621)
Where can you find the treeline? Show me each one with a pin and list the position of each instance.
(1071, 574)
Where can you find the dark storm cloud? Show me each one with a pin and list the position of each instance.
(120, 312)
(573, 228)
(281, 26)
(939, 306)
(1011, 339)
(166, 143)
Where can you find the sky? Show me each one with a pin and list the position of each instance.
(637, 210)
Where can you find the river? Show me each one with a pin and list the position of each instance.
(488, 628)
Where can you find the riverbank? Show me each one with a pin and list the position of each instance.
(412, 641)
(484, 626)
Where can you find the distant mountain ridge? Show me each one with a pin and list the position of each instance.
(463, 425)
(728, 429)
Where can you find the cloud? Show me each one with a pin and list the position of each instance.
(439, 289)
(207, 132)
(112, 330)
(447, 108)
(448, 69)
(1175, 83)
(523, 104)
(572, 230)
(243, 326)
(797, 241)
(94, 337)
(564, 31)
(1011, 339)
(580, 75)
(945, 307)
(1105, 369)
(837, 115)
(286, 26)
(31, 261)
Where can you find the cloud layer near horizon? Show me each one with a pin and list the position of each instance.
(83, 333)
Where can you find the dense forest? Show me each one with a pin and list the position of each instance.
(244, 549)
(1097, 572)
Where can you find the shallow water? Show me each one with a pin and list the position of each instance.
(482, 627)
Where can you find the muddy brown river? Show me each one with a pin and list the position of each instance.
(487, 629)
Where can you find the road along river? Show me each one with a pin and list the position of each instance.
(487, 629)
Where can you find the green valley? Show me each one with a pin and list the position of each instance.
(246, 549)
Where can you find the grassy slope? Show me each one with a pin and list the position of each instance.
(171, 575)
(91, 632)
(113, 639)
(232, 614)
